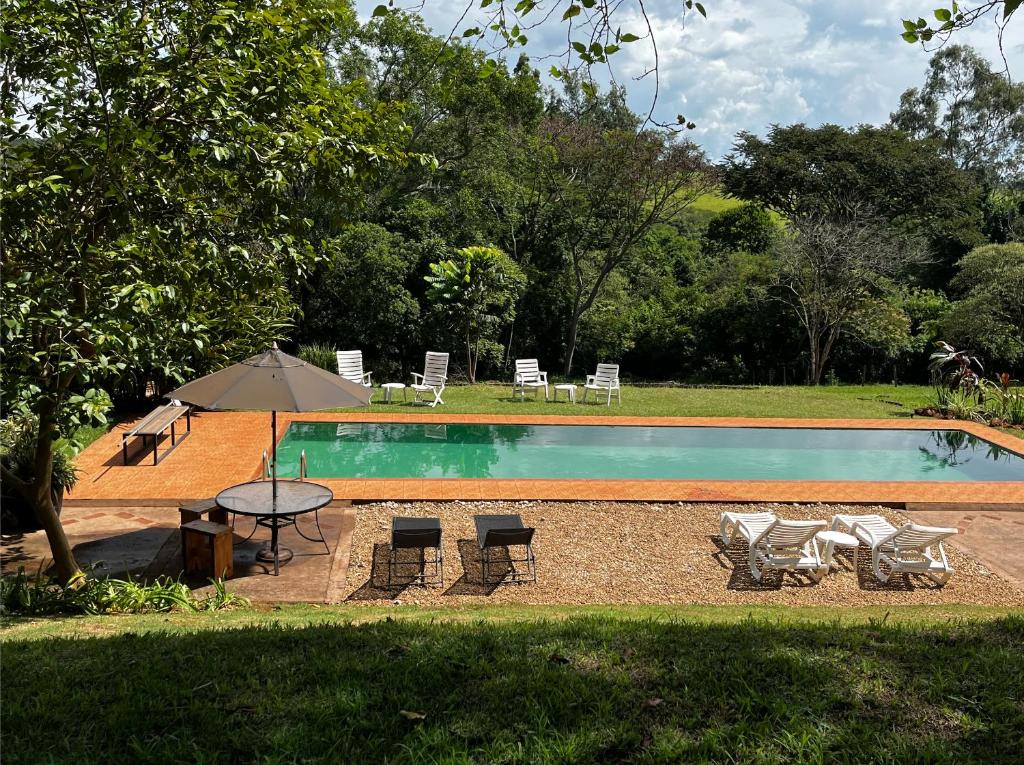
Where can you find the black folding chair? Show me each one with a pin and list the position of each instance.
(505, 532)
(417, 534)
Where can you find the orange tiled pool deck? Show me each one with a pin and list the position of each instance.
(226, 448)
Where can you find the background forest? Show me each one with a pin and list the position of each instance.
(696, 290)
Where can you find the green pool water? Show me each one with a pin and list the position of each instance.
(401, 450)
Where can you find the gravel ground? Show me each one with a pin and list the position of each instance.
(619, 552)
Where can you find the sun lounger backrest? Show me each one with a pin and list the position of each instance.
(911, 536)
(435, 369)
(792, 533)
(350, 365)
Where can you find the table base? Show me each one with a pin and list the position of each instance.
(266, 554)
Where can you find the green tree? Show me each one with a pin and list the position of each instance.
(839, 174)
(604, 190)
(989, 316)
(747, 228)
(359, 293)
(832, 272)
(477, 288)
(976, 114)
(155, 156)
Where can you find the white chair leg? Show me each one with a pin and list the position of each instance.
(723, 530)
(829, 551)
(754, 571)
(876, 559)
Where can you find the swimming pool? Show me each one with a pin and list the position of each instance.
(623, 452)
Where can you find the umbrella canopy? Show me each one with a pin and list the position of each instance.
(273, 381)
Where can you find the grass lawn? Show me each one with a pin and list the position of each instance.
(827, 401)
(544, 685)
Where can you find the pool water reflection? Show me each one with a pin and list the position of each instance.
(405, 450)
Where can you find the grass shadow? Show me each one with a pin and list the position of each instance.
(580, 689)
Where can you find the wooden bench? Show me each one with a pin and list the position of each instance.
(207, 546)
(155, 424)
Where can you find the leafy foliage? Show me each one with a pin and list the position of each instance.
(155, 157)
(477, 288)
(21, 595)
(977, 114)
(832, 273)
(989, 316)
(320, 355)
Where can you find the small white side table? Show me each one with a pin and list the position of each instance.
(833, 538)
(570, 392)
(389, 391)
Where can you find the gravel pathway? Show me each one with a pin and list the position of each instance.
(621, 552)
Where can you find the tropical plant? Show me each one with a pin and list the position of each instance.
(18, 436)
(954, 369)
(964, 404)
(1005, 401)
(21, 594)
(477, 288)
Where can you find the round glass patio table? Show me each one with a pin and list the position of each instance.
(294, 498)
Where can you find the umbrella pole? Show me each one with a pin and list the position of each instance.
(273, 450)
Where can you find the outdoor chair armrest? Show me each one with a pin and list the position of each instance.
(415, 375)
(367, 378)
(591, 379)
(543, 377)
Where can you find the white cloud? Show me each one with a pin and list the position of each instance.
(774, 61)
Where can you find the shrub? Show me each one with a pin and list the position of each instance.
(17, 453)
(319, 355)
(34, 596)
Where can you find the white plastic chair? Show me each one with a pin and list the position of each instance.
(908, 549)
(605, 379)
(755, 522)
(435, 373)
(786, 546)
(350, 367)
(528, 375)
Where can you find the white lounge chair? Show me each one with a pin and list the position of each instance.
(605, 379)
(786, 546)
(350, 366)
(907, 549)
(528, 375)
(755, 522)
(435, 373)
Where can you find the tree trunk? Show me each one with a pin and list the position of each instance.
(39, 493)
(470, 366)
(570, 343)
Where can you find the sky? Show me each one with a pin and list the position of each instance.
(753, 63)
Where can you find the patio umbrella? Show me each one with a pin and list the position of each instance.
(276, 382)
